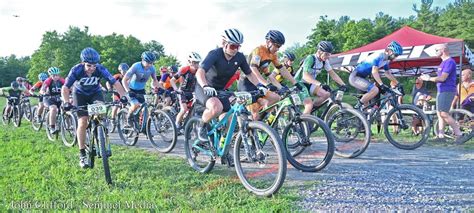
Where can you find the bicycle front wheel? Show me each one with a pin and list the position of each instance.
(315, 143)
(6, 118)
(103, 146)
(127, 133)
(399, 124)
(351, 132)
(260, 163)
(68, 129)
(36, 122)
(17, 116)
(161, 131)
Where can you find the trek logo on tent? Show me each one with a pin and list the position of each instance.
(89, 81)
(425, 51)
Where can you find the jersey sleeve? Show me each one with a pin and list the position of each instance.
(131, 71)
(245, 66)
(47, 83)
(255, 58)
(327, 65)
(38, 84)
(209, 61)
(164, 77)
(308, 63)
(71, 78)
(106, 75)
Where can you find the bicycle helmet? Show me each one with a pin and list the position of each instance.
(173, 68)
(276, 37)
(395, 47)
(19, 79)
(43, 76)
(53, 71)
(325, 46)
(123, 67)
(90, 55)
(233, 36)
(15, 85)
(149, 56)
(290, 56)
(193, 56)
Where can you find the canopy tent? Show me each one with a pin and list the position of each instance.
(418, 51)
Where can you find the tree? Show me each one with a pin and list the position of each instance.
(12, 67)
(427, 18)
(457, 21)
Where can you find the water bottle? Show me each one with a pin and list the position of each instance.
(270, 118)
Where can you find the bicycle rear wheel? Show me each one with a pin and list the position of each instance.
(351, 132)
(6, 118)
(36, 122)
(315, 143)
(103, 147)
(51, 137)
(27, 111)
(90, 149)
(198, 153)
(68, 129)
(260, 164)
(16, 116)
(398, 127)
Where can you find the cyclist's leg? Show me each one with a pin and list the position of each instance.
(308, 100)
(320, 94)
(443, 101)
(40, 107)
(116, 98)
(214, 108)
(183, 108)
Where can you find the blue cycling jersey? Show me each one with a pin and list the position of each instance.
(88, 85)
(364, 69)
(139, 76)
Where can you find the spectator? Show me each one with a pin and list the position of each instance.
(446, 85)
(419, 93)
(467, 91)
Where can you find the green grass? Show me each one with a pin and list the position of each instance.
(34, 171)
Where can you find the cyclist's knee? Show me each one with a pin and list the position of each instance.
(214, 105)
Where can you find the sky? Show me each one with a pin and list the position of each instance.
(181, 26)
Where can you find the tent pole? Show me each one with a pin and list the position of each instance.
(460, 76)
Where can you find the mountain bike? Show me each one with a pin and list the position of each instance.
(15, 112)
(260, 165)
(308, 141)
(464, 118)
(398, 119)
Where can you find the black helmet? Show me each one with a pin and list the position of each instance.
(325, 46)
(290, 56)
(276, 37)
(15, 85)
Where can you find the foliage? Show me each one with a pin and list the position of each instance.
(12, 67)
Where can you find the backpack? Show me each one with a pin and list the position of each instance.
(299, 74)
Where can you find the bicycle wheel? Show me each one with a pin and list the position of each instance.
(260, 165)
(127, 133)
(68, 129)
(465, 120)
(90, 149)
(198, 153)
(27, 111)
(351, 132)
(315, 143)
(6, 118)
(103, 146)
(36, 122)
(398, 123)
(161, 131)
(17, 116)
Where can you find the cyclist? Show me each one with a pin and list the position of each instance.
(135, 80)
(311, 68)
(276, 78)
(123, 67)
(52, 87)
(24, 85)
(259, 61)
(371, 66)
(41, 78)
(14, 91)
(215, 71)
(86, 77)
(164, 86)
(185, 91)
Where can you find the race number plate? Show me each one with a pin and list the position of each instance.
(96, 109)
(149, 98)
(244, 97)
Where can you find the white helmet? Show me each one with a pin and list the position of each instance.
(233, 36)
(194, 56)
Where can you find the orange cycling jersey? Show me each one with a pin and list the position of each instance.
(38, 85)
(261, 59)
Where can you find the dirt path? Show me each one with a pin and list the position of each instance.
(383, 178)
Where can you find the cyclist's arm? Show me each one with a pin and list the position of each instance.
(336, 77)
(376, 75)
(255, 76)
(272, 78)
(155, 82)
(391, 76)
(125, 83)
(117, 86)
(201, 77)
(173, 82)
(65, 91)
(108, 86)
(309, 78)
(287, 75)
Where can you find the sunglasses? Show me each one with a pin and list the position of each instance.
(276, 45)
(91, 65)
(234, 46)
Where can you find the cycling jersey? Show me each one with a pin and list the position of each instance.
(139, 76)
(364, 69)
(313, 66)
(88, 85)
(37, 85)
(279, 77)
(261, 58)
(189, 79)
(219, 70)
(54, 87)
(11, 92)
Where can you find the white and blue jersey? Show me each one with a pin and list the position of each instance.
(139, 76)
(88, 85)
(364, 69)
